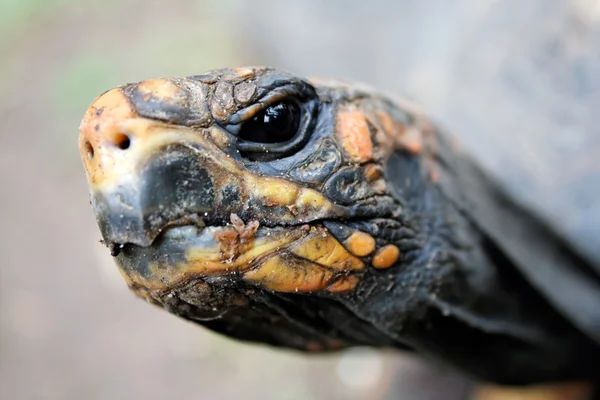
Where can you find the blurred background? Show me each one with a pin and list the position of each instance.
(518, 82)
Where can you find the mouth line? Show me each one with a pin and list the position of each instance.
(283, 257)
(196, 225)
(199, 223)
(191, 221)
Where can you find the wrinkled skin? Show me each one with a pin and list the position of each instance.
(356, 223)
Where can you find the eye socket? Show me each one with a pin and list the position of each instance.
(277, 126)
(277, 123)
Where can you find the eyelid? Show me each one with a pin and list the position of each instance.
(272, 97)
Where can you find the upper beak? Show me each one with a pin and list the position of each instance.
(166, 188)
(143, 174)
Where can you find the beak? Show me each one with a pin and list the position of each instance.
(144, 175)
(168, 188)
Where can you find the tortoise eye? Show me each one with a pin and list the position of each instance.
(277, 123)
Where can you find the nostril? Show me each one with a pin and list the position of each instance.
(122, 141)
(89, 150)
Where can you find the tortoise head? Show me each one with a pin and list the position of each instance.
(316, 215)
(224, 195)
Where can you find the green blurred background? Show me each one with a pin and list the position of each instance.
(517, 81)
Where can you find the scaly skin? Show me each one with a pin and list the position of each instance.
(356, 230)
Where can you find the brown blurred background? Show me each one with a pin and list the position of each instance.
(518, 81)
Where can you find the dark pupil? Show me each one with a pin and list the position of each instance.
(277, 123)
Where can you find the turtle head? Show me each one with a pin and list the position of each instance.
(316, 215)
(224, 195)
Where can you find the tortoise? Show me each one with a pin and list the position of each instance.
(318, 215)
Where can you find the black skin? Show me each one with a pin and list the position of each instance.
(482, 283)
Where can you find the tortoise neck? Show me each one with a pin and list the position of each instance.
(459, 296)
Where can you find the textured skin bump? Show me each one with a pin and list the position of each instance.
(162, 90)
(288, 276)
(324, 249)
(386, 256)
(360, 244)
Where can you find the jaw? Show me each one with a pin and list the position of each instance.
(251, 281)
(288, 259)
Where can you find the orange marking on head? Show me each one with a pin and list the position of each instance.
(411, 140)
(387, 123)
(373, 172)
(161, 89)
(322, 248)
(244, 71)
(98, 128)
(353, 132)
(386, 256)
(343, 284)
(360, 244)
(393, 130)
(289, 275)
